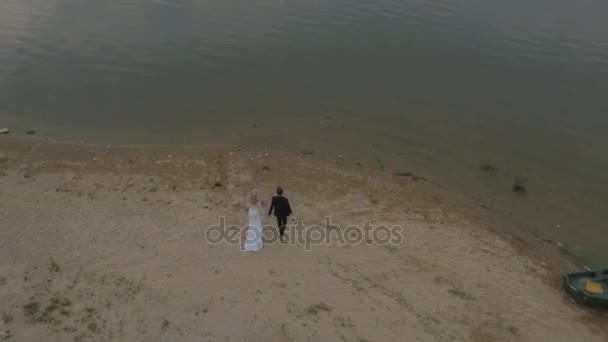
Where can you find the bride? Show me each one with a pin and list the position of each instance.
(255, 231)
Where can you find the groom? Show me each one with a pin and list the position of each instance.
(281, 207)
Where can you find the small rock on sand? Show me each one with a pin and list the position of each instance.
(5, 335)
(4, 131)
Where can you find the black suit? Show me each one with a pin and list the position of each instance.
(282, 209)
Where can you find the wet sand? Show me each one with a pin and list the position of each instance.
(103, 243)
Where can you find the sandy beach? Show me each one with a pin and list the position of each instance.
(104, 243)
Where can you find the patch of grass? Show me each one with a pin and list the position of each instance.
(380, 164)
(70, 329)
(5, 335)
(391, 248)
(345, 322)
(266, 168)
(285, 332)
(91, 311)
(217, 184)
(53, 266)
(419, 178)
(65, 302)
(488, 166)
(308, 152)
(92, 326)
(31, 309)
(47, 314)
(459, 293)
(164, 325)
(7, 317)
(316, 308)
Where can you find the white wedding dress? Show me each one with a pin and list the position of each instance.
(255, 231)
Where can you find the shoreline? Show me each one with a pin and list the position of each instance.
(546, 211)
(569, 259)
(141, 195)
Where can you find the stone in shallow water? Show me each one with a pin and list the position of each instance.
(518, 188)
(4, 131)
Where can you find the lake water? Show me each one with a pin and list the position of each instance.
(433, 87)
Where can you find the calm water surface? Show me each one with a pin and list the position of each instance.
(429, 86)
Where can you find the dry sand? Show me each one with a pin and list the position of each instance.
(107, 244)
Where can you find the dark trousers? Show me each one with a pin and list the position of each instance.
(281, 223)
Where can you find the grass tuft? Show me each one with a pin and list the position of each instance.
(53, 266)
(7, 317)
(488, 166)
(31, 309)
(316, 308)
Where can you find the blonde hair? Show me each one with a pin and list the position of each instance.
(253, 197)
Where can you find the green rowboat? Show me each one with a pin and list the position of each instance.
(577, 284)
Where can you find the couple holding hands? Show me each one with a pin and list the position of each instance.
(255, 232)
